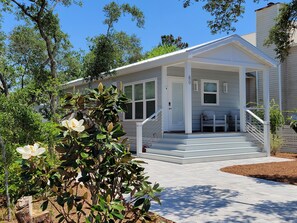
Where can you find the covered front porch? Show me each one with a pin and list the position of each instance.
(212, 77)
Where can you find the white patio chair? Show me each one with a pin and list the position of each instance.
(210, 119)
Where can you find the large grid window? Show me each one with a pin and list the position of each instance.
(210, 92)
(142, 100)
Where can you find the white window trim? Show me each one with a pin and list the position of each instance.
(144, 100)
(216, 93)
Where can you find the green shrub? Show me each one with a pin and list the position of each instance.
(94, 155)
(277, 119)
(293, 124)
(20, 124)
(276, 143)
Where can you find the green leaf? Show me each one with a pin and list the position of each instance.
(117, 215)
(139, 202)
(84, 135)
(118, 207)
(100, 136)
(84, 155)
(61, 219)
(70, 203)
(44, 205)
(60, 201)
(156, 186)
(146, 205)
(79, 207)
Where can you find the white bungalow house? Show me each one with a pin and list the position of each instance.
(171, 95)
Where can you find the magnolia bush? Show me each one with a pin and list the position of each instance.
(94, 158)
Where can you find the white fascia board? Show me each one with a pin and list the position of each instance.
(228, 63)
(73, 83)
(243, 44)
(164, 60)
(256, 52)
(147, 64)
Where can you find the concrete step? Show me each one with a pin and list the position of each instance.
(203, 140)
(201, 135)
(206, 152)
(202, 146)
(188, 160)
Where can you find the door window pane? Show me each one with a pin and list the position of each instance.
(150, 90)
(210, 87)
(150, 108)
(138, 93)
(138, 110)
(128, 114)
(128, 91)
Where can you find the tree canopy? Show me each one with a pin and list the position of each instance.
(115, 48)
(226, 13)
(281, 35)
(40, 15)
(168, 44)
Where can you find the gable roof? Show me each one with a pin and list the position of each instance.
(184, 54)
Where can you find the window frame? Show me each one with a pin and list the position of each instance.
(215, 93)
(144, 100)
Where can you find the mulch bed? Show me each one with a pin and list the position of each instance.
(36, 207)
(285, 172)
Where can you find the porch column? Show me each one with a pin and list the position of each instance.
(188, 97)
(266, 102)
(242, 97)
(164, 95)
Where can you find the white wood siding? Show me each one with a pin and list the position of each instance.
(228, 101)
(129, 126)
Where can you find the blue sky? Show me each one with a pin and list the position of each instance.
(161, 17)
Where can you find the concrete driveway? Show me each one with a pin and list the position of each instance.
(202, 193)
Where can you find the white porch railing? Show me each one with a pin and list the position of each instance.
(258, 129)
(148, 131)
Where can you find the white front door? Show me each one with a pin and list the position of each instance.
(176, 104)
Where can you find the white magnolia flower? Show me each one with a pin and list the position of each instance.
(73, 124)
(29, 150)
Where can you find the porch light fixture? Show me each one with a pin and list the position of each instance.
(225, 87)
(195, 85)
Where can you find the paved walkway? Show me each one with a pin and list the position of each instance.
(202, 193)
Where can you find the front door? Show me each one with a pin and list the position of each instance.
(176, 104)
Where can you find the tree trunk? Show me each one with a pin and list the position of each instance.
(6, 177)
(53, 98)
(53, 64)
(4, 84)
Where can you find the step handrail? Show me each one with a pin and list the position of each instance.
(139, 125)
(255, 116)
(262, 135)
(151, 117)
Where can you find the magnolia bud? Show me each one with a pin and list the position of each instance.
(100, 87)
(109, 127)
